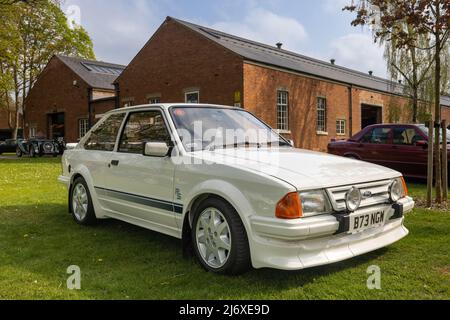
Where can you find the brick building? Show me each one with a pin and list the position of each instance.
(69, 96)
(308, 100)
(6, 121)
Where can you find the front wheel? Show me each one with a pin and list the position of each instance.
(32, 152)
(81, 205)
(19, 152)
(219, 238)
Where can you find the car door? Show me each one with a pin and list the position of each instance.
(140, 188)
(374, 146)
(97, 149)
(408, 158)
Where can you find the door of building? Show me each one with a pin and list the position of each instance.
(370, 115)
(56, 125)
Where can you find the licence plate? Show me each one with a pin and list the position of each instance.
(366, 221)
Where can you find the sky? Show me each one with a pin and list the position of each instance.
(316, 28)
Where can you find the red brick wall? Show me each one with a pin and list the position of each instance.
(446, 114)
(4, 120)
(54, 92)
(99, 107)
(177, 59)
(260, 93)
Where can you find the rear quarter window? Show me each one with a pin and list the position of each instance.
(103, 138)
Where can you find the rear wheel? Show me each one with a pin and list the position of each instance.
(219, 238)
(19, 153)
(81, 203)
(32, 152)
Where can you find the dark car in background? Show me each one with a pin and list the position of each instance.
(8, 146)
(38, 147)
(402, 147)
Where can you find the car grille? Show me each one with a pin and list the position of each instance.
(379, 194)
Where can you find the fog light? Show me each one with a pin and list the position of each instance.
(353, 199)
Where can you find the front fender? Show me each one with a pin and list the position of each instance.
(225, 190)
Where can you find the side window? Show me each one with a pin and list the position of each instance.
(377, 136)
(143, 127)
(103, 138)
(406, 136)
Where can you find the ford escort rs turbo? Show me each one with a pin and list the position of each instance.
(232, 189)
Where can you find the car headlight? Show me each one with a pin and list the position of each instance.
(398, 189)
(314, 202)
(353, 199)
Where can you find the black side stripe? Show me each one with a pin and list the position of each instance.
(155, 203)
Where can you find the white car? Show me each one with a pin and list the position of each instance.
(256, 201)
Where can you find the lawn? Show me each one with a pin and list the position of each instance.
(39, 241)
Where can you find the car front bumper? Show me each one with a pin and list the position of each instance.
(309, 242)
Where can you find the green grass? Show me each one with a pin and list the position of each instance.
(39, 240)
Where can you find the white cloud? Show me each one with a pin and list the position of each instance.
(265, 26)
(358, 51)
(118, 28)
(335, 6)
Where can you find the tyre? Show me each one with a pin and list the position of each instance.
(219, 238)
(19, 153)
(32, 152)
(81, 205)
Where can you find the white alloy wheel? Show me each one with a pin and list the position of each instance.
(213, 238)
(80, 202)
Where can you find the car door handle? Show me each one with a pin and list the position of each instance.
(115, 163)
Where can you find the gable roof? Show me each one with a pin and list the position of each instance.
(272, 56)
(97, 74)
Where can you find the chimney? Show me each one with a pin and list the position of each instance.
(333, 61)
(371, 73)
(279, 45)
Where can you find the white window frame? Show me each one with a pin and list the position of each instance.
(321, 115)
(283, 111)
(154, 100)
(341, 127)
(83, 127)
(192, 92)
(32, 132)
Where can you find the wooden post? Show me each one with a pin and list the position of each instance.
(430, 164)
(444, 161)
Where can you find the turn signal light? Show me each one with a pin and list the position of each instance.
(290, 207)
(405, 188)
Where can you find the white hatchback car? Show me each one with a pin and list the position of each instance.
(256, 201)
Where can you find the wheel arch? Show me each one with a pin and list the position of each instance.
(83, 172)
(352, 155)
(219, 189)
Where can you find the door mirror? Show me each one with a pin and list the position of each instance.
(71, 146)
(422, 143)
(156, 149)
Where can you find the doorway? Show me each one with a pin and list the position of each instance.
(371, 115)
(56, 125)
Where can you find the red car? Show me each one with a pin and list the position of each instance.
(402, 147)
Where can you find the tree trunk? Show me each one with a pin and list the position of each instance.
(437, 110)
(415, 86)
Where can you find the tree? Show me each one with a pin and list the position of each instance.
(426, 19)
(31, 32)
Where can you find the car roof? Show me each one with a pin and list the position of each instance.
(394, 125)
(166, 106)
